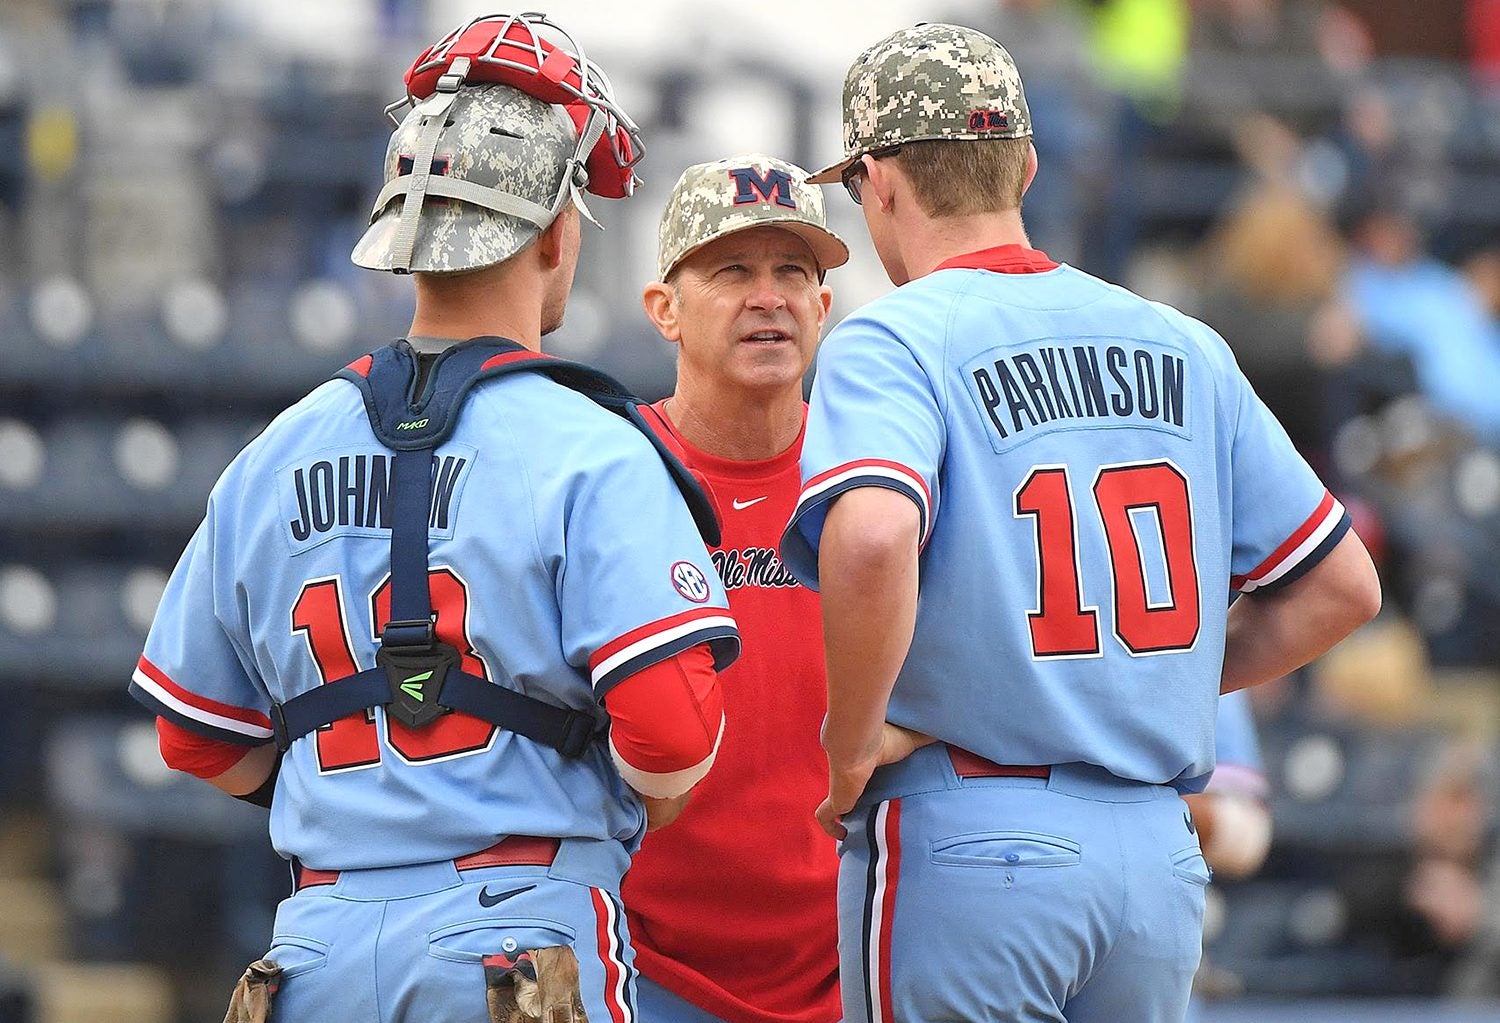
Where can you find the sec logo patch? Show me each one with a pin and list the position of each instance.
(688, 579)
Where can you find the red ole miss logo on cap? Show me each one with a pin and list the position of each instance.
(988, 119)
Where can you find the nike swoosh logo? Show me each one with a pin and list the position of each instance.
(487, 900)
(742, 505)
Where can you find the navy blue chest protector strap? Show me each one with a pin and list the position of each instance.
(417, 678)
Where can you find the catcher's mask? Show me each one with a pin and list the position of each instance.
(505, 127)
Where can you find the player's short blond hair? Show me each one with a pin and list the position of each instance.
(959, 178)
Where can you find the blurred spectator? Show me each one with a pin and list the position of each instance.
(1455, 883)
(1281, 28)
(1380, 677)
(1049, 40)
(1482, 268)
(1139, 48)
(1484, 41)
(1390, 157)
(1410, 303)
(1274, 260)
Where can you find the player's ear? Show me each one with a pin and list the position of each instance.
(551, 244)
(1031, 165)
(880, 183)
(660, 303)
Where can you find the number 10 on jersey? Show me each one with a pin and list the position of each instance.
(1061, 624)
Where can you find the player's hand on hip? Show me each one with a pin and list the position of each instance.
(661, 812)
(897, 743)
(845, 784)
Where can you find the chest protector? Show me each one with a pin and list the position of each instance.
(417, 678)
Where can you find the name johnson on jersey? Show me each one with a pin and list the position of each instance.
(354, 491)
(1046, 382)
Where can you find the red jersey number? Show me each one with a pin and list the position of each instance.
(1061, 626)
(353, 741)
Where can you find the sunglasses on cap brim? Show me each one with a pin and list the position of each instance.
(853, 174)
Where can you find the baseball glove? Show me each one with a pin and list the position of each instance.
(251, 1001)
(537, 986)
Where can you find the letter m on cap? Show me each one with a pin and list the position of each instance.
(752, 186)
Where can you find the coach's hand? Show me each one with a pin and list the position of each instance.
(847, 783)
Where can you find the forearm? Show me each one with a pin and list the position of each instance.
(237, 770)
(1267, 637)
(867, 569)
(666, 722)
(249, 773)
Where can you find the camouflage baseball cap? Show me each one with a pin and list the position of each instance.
(499, 160)
(929, 82)
(712, 200)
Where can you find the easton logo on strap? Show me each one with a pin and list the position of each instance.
(413, 686)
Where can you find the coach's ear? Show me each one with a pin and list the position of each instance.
(660, 302)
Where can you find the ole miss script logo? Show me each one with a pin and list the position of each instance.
(753, 566)
(988, 120)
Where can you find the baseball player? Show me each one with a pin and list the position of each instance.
(415, 595)
(732, 908)
(1073, 479)
(1231, 815)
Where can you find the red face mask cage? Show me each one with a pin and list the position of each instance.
(509, 49)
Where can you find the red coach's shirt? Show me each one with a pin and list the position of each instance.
(733, 907)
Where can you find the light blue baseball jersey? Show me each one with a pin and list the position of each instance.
(1237, 749)
(1093, 476)
(562, 559)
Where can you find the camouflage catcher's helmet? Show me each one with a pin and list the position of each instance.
(929, 82)
(505, 128)
(712, 200)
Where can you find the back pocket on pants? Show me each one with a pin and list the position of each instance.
(1189, 865)
(297, 955)
(1006, 849)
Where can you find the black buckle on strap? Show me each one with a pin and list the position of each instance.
(416, 633)
(578, 734)
(416, 676)
(279, 732)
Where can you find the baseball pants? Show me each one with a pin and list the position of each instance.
(1071, 898)
(658, 1005)
(407, 944)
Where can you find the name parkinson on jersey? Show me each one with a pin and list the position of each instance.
(355, 490)
(1053, 382)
